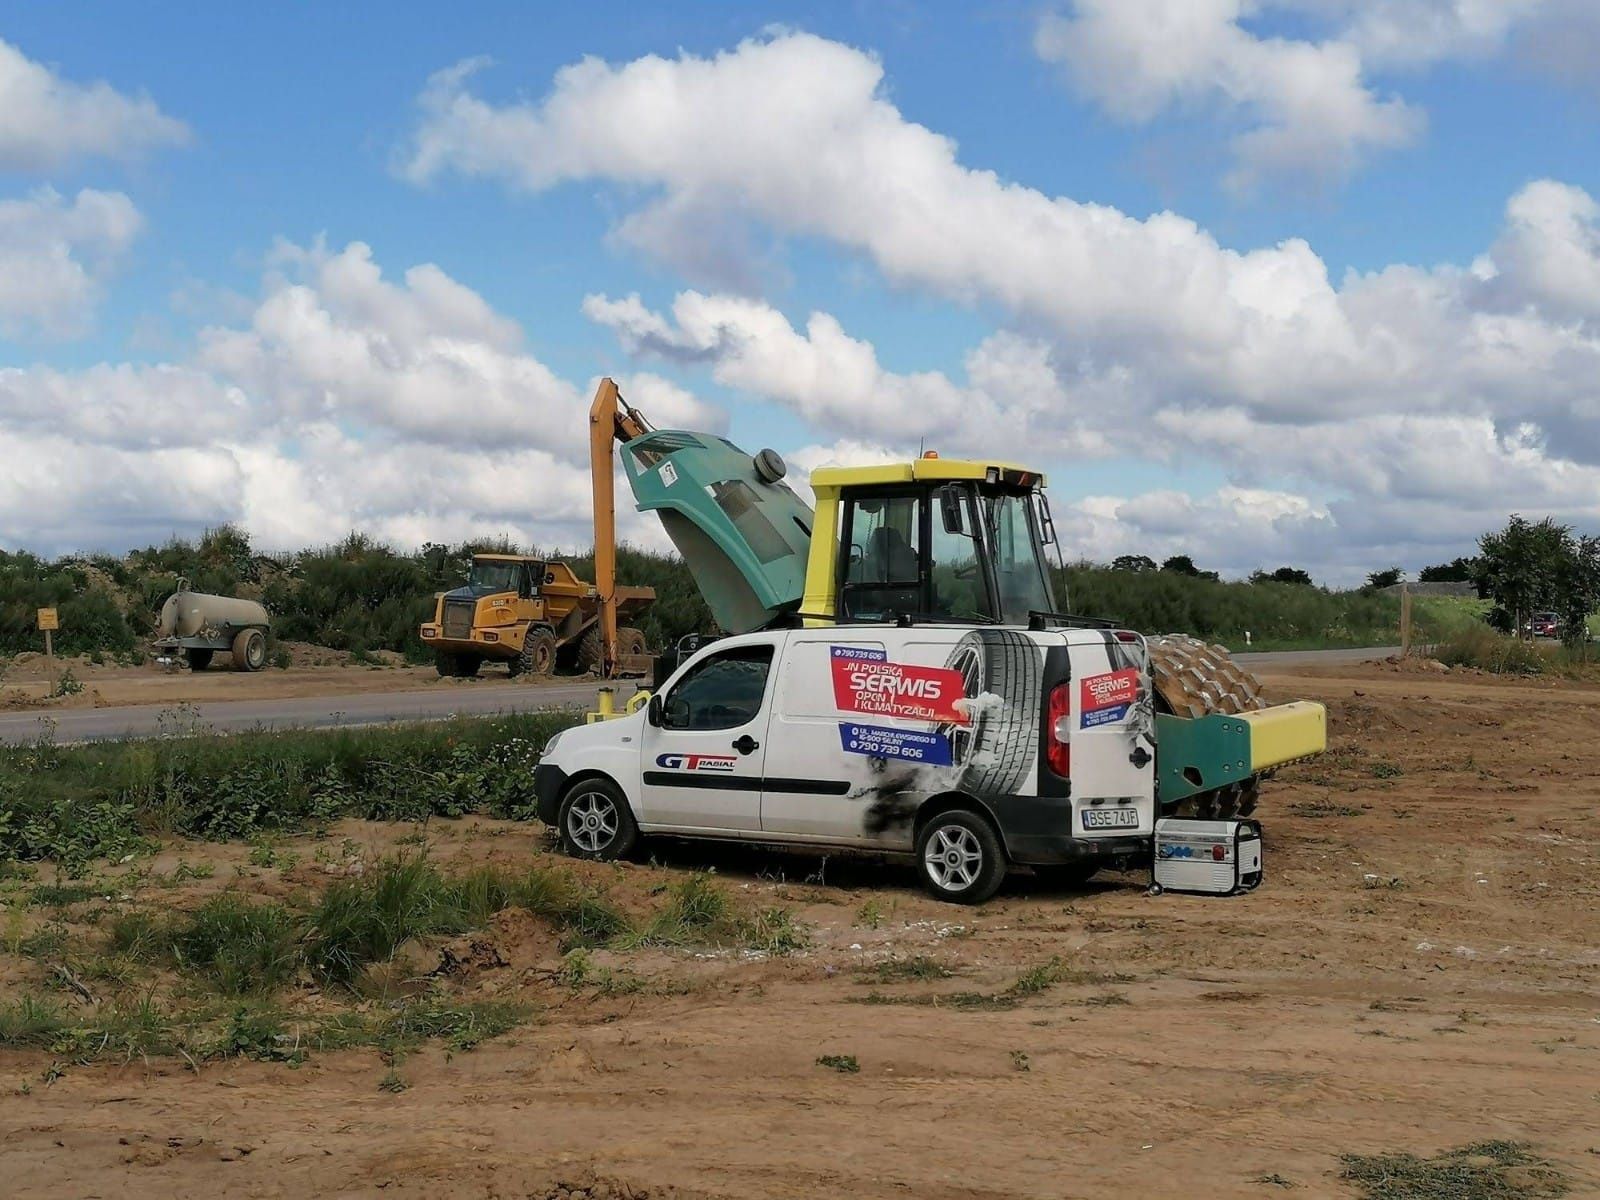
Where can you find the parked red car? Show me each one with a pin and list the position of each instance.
(1544, 624)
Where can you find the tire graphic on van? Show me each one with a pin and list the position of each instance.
(1001, 672)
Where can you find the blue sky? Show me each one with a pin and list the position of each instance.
(302, 125)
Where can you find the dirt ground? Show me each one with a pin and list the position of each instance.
(1418, 972)
(28, 681)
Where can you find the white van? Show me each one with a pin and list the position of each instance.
(971, 748)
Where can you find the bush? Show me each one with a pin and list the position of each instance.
(73, 803)
(1273, 612)
(1481, 647)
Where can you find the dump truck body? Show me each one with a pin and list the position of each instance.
(530, 613)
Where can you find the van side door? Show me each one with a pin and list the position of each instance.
(703, 765)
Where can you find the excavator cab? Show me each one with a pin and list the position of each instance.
(952, 541)
(932, 539)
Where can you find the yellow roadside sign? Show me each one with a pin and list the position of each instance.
(49, 620)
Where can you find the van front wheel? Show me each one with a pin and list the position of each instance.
(595, 821)
(960, 858)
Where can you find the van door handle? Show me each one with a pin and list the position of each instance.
(747, 745)
(1139, 757)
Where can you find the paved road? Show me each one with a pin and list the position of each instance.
(382, 708)
(313, 712)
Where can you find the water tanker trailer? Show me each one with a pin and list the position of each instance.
(197, 625)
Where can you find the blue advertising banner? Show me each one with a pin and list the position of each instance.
(878, 741)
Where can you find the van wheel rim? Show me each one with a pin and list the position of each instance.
(592, 821)
(953, 858)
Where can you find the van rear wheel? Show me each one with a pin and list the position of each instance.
(960, 857)
(595, 821)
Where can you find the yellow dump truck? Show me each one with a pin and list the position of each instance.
(534, 615)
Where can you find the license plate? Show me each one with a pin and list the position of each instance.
(1111, 818)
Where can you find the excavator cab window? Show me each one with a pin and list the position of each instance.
(954, 551)
(883, 569)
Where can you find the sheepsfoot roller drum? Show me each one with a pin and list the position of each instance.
(1194, 680)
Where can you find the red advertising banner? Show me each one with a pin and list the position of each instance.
(1105, 699)
(865, 681)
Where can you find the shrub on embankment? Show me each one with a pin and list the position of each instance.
(357, 595)
(73, 803)
(1275, 614)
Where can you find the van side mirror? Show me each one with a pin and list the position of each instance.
(652, 711)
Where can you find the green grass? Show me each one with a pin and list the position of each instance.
(699, 912)
(1497, 1170)
(247, 1029)
(242, 947)
(72, 804)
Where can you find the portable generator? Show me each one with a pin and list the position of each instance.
(1217, 858)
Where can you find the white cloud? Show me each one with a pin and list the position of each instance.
(1434, 390)
(406, 409)
(55, 257)
(1012, 395)
(426, 359)
(47, 121)
(1305, 107)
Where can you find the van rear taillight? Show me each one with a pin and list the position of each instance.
(1058, 732)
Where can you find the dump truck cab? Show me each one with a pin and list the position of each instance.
(531, 613)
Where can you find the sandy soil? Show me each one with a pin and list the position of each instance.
(1419, 972)
(29, 679)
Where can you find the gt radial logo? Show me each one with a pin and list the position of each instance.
(696, 762)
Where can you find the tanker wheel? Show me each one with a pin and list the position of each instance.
(199, 660)
(592, 651)
(1194, 679)
(538, 655)
(250, 650)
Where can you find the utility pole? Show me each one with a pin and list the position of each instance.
(1405, 620)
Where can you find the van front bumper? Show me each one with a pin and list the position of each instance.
(549, 781)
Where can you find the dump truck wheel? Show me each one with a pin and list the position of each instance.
(629, 641)
(592, 651)
(199, 660)
(467, 666)
(445, 664)
(250, 650)
(1194, 679)
(538, 655)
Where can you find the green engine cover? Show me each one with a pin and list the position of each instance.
(742, 530)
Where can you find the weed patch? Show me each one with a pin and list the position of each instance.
(240, 946)
(845, 1064)
(916, 968)
(1482, 1171)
